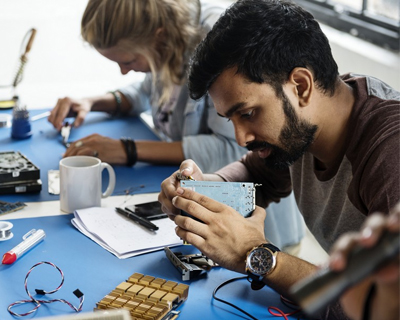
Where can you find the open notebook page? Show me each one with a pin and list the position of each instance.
(120, 235)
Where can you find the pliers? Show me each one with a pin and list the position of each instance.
(65, 132)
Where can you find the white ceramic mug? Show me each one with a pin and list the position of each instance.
(80, 182)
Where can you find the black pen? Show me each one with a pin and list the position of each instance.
(142, 221)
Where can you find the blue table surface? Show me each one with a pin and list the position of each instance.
(44, 149)
(96, 272)
(85, 264)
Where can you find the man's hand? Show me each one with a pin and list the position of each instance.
(368, 237)
(385, 302)
(170, 186)
(225, 236)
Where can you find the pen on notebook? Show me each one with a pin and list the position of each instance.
(31, 239)
(142, 221)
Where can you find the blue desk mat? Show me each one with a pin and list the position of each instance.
(96, 272)
(45, 150)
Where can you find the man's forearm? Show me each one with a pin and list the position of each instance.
(288, 271)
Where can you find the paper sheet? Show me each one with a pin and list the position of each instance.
(121, 236)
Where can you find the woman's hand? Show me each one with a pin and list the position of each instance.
(68, 107)
(106, 149)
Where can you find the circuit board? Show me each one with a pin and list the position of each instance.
(238, 195)
(6, 207)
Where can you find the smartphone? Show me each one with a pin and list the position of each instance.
(148, 210)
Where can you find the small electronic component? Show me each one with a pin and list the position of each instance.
(180, 176)
(146, 297)
(190, 266)
(6, 207)
(238, 195)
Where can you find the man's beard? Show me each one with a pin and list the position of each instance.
(296, 136)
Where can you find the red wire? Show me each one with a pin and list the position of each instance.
(281, 313)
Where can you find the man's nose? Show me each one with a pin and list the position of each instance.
(243, 135)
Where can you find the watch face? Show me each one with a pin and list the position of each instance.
(260, 261)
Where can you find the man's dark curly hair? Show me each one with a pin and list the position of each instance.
(265, 40)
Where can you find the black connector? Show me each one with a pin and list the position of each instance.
(40, 291)
(78, 293)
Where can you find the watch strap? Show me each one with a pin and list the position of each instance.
(271, 247)
(256, 281)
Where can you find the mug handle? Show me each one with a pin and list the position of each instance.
(111, 183)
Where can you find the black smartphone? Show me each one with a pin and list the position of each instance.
(149, 210)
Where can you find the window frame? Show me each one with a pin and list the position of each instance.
(379, 30)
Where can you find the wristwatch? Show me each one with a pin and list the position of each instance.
(260, 261)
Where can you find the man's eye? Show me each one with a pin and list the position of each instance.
(247, 114)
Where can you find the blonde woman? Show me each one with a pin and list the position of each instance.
(156, 37)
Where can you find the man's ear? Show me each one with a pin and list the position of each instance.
(303, 80)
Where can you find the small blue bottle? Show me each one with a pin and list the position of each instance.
(21, 125)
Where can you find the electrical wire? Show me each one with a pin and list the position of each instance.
(39, 302)
(228, 303)
(272, 310)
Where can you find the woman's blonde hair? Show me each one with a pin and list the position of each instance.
(164, 31)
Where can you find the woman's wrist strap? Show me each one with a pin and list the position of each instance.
(130, 149)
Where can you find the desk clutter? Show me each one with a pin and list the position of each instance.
(146, 297)
(18, 174)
